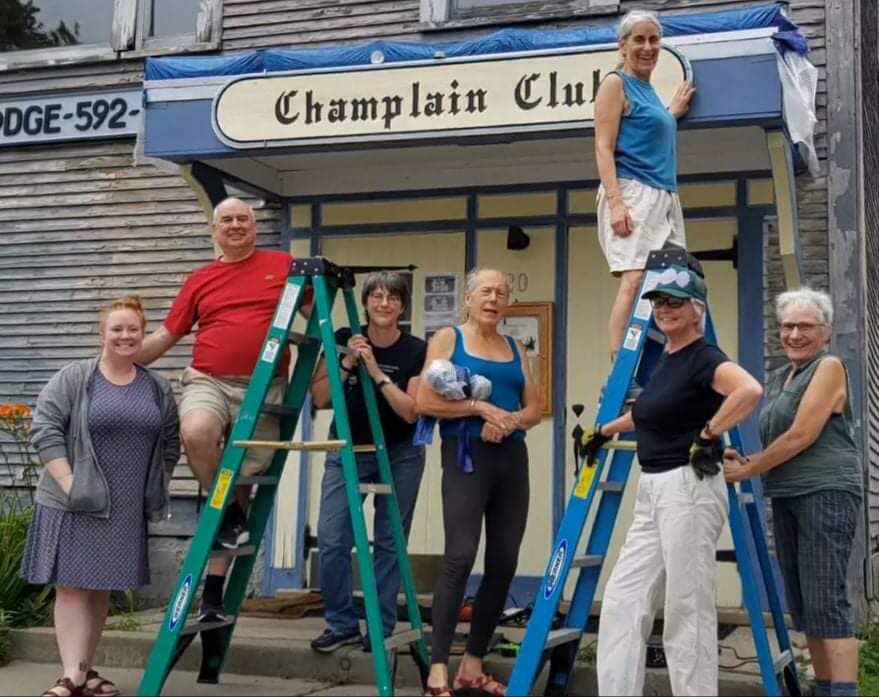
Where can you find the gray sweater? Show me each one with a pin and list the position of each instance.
(60, 429)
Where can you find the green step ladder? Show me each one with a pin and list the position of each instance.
(176, 632)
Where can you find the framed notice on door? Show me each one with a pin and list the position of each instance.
(531, 323)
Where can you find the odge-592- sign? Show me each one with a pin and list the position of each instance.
(70, 117)
(498, 94)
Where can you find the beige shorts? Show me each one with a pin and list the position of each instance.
(223, 396)
(657, 217)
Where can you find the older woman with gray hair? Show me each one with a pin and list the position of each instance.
(812, 470)
(636, 152)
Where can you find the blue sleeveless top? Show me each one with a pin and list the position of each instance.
(507, 383)
(646, 148)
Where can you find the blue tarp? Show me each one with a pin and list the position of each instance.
(788, 37)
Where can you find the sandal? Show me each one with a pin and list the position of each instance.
(483, 684)
(67, 684)
(441, 691)
(102, 688)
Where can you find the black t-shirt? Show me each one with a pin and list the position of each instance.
(401, 361)
(676, 404)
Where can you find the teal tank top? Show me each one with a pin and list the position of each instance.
(831, 462)
(646, 148)
(507, 384)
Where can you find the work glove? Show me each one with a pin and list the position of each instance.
(706, 456)
(592, 442)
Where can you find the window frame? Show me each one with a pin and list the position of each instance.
(127, 40)
(444, 14)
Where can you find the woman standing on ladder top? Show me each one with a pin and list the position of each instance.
(636, 152)
(485, 477)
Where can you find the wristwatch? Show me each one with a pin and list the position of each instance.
(384, 381)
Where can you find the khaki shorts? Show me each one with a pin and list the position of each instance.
(223, 396)
(657, 218)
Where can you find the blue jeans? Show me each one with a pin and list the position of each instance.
(335, 535)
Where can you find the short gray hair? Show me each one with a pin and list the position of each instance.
(226, 200)
(807, 298)
(627, 23)
(473, 274)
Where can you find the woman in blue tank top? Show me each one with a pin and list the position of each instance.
(494, 489)
(636, 153)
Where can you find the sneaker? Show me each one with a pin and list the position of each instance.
(233, 531)
(211, 612)
(329, 641)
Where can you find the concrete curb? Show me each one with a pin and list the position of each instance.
(295, 659)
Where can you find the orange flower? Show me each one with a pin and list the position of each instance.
(12, 411)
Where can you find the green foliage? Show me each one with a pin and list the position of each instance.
(587, 654)
(122, 607)
(868, 662)
(23, 605)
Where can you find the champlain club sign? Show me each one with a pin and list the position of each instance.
(499, 94)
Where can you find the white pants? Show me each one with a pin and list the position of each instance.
(668, 555)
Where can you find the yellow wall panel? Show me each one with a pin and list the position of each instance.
(707, 194)
(395, 211)
(582, 201)
(510, 205)
(761, 192)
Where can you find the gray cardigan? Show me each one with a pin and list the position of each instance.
(60, 429)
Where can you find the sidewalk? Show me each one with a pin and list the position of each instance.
(277, 650)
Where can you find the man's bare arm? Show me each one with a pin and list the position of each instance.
(156, 344)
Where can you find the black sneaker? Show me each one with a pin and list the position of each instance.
(233, 531)
(211, 612)
(329, 641)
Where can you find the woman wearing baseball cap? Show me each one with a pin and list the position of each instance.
(694, 394)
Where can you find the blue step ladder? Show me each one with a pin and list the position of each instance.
(642, 346)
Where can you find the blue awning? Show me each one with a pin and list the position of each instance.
(788, 37)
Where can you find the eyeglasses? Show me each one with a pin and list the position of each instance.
(671, 303)
(379, 298)
(802, 327)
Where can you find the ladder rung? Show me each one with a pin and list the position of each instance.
(364, 448)
(375, 488)
(746, 497)
(196, 627)
(279, 409)
(587, 560)
(783, 659)
(314, 445)
(242, 551)
(566, 635)
(621, 445)
(259, 479)
(656, 335)
(611, 486)
(300, 338)
(407, 636)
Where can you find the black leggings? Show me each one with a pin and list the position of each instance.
(498, 490)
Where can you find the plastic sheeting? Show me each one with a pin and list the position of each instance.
(788, 37)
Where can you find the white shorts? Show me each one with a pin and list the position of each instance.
(657, 218)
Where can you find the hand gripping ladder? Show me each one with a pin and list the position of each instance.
(176, 633)
(642, 347)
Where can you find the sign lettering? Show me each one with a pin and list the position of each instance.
(497, 94)
(73, 117)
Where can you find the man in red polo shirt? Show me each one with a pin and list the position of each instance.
(233, 301)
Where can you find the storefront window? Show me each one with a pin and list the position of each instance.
(172, 17)
(436, 14)
(40, 24)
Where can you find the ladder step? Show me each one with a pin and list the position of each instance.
(279, 410)
(783, 659)
(309, 446)
(259, 479)
(375, 488)
(611, 486)
(656, 335)
(747, 497)
(196, 627)
(242, 551)
(621, 445)
(299, 338)
(403, 638)
(587, 560)
(566, 635)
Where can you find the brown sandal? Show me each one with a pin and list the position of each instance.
(441, 691)
(98, 690)
(67, 684)
(484, 684)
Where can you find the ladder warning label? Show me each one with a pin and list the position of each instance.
(285, 306)
(224, 478)
(584, 482)
(633, 338)
(555, 568)
(180, 603)
(271, 350)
